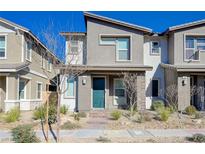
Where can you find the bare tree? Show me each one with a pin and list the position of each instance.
(130, 84)
(62, 72)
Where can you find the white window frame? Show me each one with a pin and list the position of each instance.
(75, 46)
(30, 50)
(66, 89)
(114, 103)
(41, 92)
(158, 87)
(151, 48)
(116, 36)
(49, 64)
(195, 47)
(5, 36)
(43, 61)
(22, 80)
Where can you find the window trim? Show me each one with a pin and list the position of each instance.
(43, 60)
(115, 104)
(37, 82)
(115, 44)
(30, 58)
(192, 35)
(158, 87)
(151, 46)
(5, 57)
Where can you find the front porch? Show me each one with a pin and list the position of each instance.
(104, 90)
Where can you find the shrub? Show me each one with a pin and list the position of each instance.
(63, 109)
(69, 125)
(103, 139)
(76, 117)
(164, 114)
(116, 115)
(157, 105)
(24, 134)
(200, 138)
(171, 109)
(190, 110)
(143, 116)
(198, 115)
(82, 114)
(13, 115)
(39, 113)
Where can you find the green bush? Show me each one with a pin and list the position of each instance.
(157, 105)
(116, 115)
(13, 115)
(63, 109)
(164, 114)
(199, 138)
(24, 134)
(190, 110)
(69, 125)
(39, 113)
(171, 109)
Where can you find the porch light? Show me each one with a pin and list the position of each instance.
(84, 81)
(184, 80)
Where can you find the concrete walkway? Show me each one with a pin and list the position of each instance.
(95, 133)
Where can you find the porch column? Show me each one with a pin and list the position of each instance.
(84, 92)
(141, 91)
(183, 91)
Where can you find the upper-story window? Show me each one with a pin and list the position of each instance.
(122, 46)
(155, 48)
(194, 44)
(2, 47)
(28, 50)
(49, 64)
(73, 47)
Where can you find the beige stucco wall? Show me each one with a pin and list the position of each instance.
(106, 54)
(13, 48)
(171, 48)
(179, 45)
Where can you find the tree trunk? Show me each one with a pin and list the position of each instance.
(58, 116)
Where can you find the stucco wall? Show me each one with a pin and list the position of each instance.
(106, 54)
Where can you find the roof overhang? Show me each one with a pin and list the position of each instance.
(72, 33)
(108, 68)
(185, 68)
(9, 68)
(117, 22)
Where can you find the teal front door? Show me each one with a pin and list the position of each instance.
(98, 93)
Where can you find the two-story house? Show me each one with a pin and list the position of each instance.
(25, 67)
(108, 48)
(186, 63)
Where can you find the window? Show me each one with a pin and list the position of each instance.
(155, 88)
(74, 46)
(39, 90)
(43, 60)
(22, 85)
(194, 44)
(155, 48)
(2, 47)
(123, 52)
(70, 88)
(122, 46)
(49, 64)
(28, 50)
(119, 92)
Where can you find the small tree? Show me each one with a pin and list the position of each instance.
(130, 84)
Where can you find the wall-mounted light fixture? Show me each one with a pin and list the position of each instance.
(84, 81)
(184, 80)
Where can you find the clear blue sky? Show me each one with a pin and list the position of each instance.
(74, 21)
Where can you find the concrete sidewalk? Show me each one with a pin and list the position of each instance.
(95, 133)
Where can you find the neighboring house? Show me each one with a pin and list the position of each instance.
(107, 48)
(186, 64)
(25, 67)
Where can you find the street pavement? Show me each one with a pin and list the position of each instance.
(95, 133)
